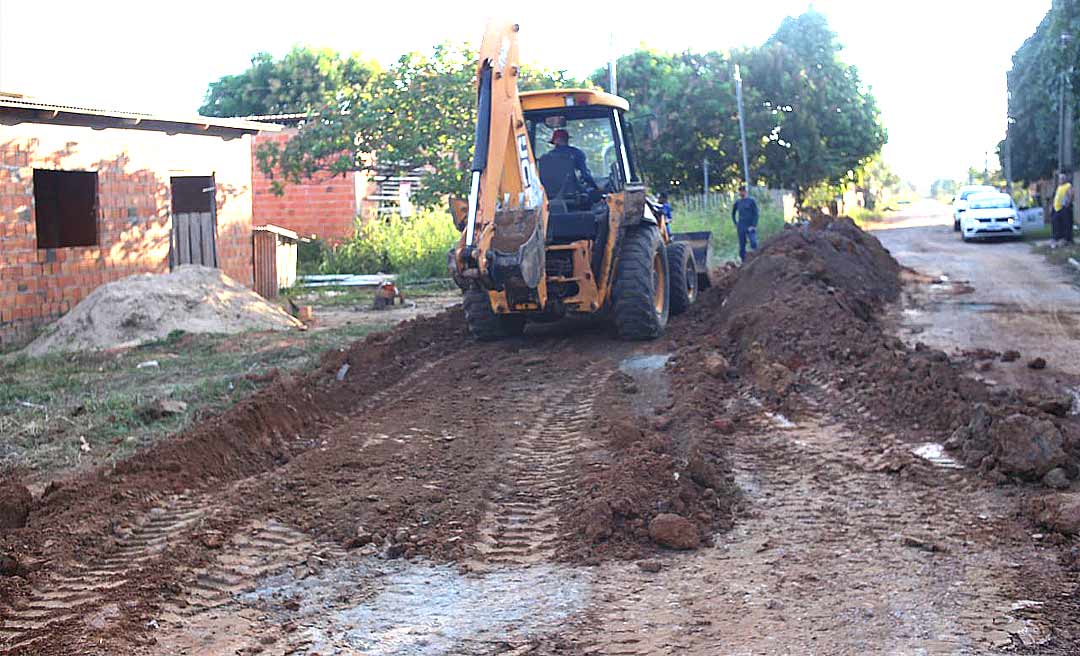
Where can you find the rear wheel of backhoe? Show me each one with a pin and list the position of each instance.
(484, 324)
(642, 298)
(684, 276)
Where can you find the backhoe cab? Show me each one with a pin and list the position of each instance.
(557, 221)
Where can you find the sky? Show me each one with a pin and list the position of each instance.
(936, 67)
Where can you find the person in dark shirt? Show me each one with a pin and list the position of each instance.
(744, 214)
(561, 139)
(665, 209)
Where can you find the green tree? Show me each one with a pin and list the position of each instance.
(826, 124)
(1034, 91)
(304, 80)
(420, 113)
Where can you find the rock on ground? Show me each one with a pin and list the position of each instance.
(674, 532)
(1060, 513)
(1025, 447)
(15, 502)
(148, 306)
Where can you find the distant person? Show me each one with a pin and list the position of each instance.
(665, 210)
(1062, 218)
(744, 214)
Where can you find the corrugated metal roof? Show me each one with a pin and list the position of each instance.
(15, 110)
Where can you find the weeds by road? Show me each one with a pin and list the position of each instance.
(717, 219)
(65, 411)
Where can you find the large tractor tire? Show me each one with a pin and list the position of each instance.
(683, 275)
(642, 298)
(484, 324)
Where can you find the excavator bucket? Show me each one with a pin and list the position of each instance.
(699, 243)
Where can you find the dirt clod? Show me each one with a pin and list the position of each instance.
(1059, 513)
(1037, 363)
(1056, 479)
(1025, 447)
(674, 532)
(15, 503)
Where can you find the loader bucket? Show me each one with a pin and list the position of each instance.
(699, 243)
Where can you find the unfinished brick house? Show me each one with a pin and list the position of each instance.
(90, 196)
(326, 206)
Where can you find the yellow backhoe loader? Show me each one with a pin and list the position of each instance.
(557, 221)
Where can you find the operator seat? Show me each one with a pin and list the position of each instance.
(559, 177)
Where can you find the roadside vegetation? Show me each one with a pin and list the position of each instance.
(716, 218)
(76, 410)
(413, 247)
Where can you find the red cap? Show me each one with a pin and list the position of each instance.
(559, 133)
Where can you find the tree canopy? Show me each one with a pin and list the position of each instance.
(809, 119)
(301, 81)
(1035, 83)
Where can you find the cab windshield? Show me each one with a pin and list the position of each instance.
(592, 136)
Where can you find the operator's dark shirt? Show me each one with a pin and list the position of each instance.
(747, 212)
(579, 163)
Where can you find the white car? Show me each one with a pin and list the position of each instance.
(960, 201)
(991, 214)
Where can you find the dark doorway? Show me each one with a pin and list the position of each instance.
(65, 208)
(194, 219)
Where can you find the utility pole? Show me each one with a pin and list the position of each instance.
(742, 127)
(613, 87)
(1006, 156)
(1065, 112)
(705, 189)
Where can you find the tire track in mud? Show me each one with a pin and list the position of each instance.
(834, 556)
(67, 596)
(75, 592)
(540, 471)
(209, 613)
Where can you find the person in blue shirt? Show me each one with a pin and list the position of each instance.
(665, 209)
(561, 139)
(744, 214)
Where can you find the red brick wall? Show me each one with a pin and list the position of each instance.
(325, 206)
(133, 218)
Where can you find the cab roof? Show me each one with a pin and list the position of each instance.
(556, 98)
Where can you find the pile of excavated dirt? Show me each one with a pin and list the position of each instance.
(675, 472)
(810, 300)
(147, 306)
(807, 308)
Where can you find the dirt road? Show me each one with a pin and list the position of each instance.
(422, 494)
(1017, 300)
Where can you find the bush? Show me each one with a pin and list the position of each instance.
(414, 247)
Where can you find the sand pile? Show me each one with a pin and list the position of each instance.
(145, 307)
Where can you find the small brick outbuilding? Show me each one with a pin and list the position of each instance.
(90, 196)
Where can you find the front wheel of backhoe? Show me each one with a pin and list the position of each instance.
(484, 324)
(641, 291)
(684, 277)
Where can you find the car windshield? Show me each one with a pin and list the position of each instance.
(964, 195)
(997, 201)
(592, 136)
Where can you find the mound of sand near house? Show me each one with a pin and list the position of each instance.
(146, 307)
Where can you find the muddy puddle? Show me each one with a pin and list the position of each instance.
(405, 608)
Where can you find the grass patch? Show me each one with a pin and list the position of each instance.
(717, 219)
(64, 411)
(413, 247)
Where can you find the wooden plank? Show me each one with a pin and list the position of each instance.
(206, 220)
(183, 238)
(194, 239)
